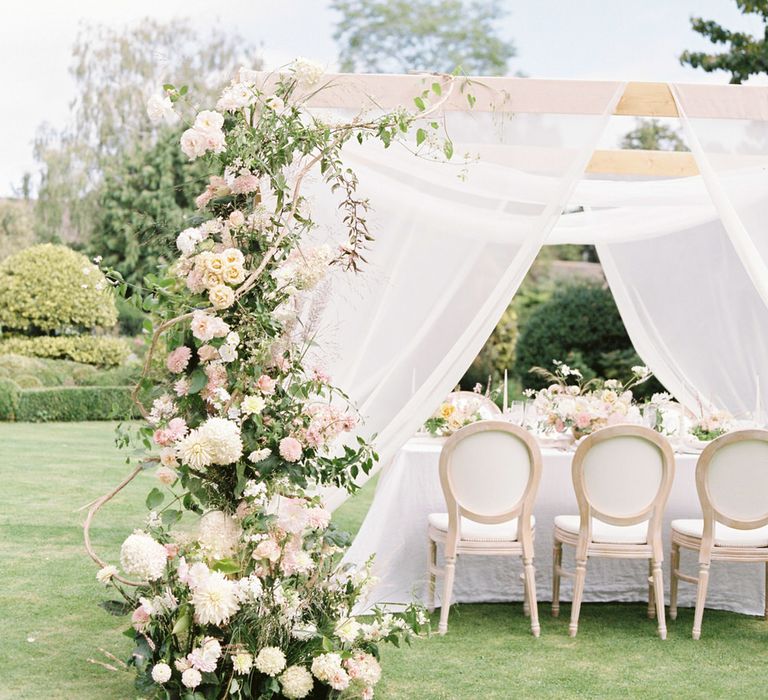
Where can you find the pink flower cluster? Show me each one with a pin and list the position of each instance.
(178, 360)
(217, 187)
(174, 431)
(290, 449)
(266, 384)
(206, 327)
(326, 424)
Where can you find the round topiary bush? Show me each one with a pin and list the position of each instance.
(578, 320)
(27, 381)
(51, 288)
(9, 398)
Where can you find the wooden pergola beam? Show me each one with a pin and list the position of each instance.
(643, 163)
(647, 100)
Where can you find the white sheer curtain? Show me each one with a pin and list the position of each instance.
(453, 242)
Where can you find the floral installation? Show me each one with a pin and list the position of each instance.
(458, 410)
(234, 582)
(711, 425)
(570, 403)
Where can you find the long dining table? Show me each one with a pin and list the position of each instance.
(395, 531)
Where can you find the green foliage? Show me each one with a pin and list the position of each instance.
(88, 349)
(114, 70)
(28, 381)
(497, 354)
(51, 288)
(16, 226)
(578, 318)
(147, 195)
(9, 398)
(129, 317)
(75, 404)
(746, 55)
(653, 135)
(126, 374)
(399, 36)
(47, 371)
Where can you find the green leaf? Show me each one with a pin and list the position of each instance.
(170, 517)
(183, 622)
(154, 498)
(448, 149)
(419, 103)
(471, 99)
(327, 644)
(437, 89)
(197, 381)
(227, 566)
(421, 136)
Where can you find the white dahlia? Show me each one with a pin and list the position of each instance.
(195, 450)
(325, 666)
(205, 657)
(142, 556)
(215, 600)
(219, 533)
(191, 678)
(161, 673)
(242, 662)
(223, 438)
(296, 681)
(270, 661)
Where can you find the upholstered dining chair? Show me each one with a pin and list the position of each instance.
(622, 476)
(489, 473)
(732, 482)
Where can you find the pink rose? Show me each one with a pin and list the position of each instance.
(195, 282)
(178, 360)
(583, 420)
(267, 549)
(171, 550)
(207, 353)
(177, 428)
(290, 449)
(166, 475)
(266, 384)
(162, 436)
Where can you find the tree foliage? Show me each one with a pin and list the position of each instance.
(115, 70)
(400, 36)
(653, 135)
(143, 203)
(745, 55)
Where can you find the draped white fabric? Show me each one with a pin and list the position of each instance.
(686, 259)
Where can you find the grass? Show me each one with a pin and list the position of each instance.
(49, 603)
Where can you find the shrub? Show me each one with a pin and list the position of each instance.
(89, 349)
(130, 318)
(579, 318)
(9, 398)
(28, 381)
(497, 354)
(51, 288)
(125, 375)
(49, 372)
(75, 404)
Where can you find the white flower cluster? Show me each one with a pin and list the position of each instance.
(214, 597)
(303, 268)
(306, 72)
(217, 441)
(327, 668)
(142, 556)
(205, 135)
(270, 661)
(296, 682)
(160, 108)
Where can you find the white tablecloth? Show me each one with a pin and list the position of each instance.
(395, 530)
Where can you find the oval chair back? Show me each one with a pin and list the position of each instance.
(622, 475)
(732, 481)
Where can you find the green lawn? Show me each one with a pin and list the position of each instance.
(52, 622)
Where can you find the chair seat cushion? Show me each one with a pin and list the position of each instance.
(479, 532)
(724, 536)
(605, 533)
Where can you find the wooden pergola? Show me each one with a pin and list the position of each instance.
(527, 95)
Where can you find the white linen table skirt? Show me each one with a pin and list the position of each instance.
(395, 531)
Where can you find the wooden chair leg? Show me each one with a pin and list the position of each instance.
(432, 563)
(766, 590)
(658, 588)
(530, 585)
(701, 597)
(526, 597)
(578, 592)
(674, 567)
(651, 606)
(557, 562)
(450, 571)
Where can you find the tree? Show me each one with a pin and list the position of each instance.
(115, 71)
(652, 135)
(746, 55)
(400, 36)
(145, 198)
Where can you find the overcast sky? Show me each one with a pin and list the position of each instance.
(592, 39)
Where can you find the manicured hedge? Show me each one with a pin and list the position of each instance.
(9, 398)
(74, 403)
(88, 349)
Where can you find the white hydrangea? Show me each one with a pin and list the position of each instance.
(218, 534)
(307, 72)
(142, 556)
(270, 661)
(328, 669)
(161, 673)
(215, 600)
(254, 489)
(188, 239)
(249, 589)
(296, 682)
